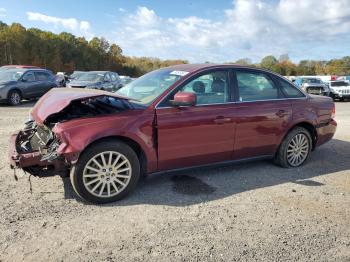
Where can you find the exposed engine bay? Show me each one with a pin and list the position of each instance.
(34, 138)
(89, 108)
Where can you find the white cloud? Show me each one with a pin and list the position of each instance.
(72, 24)
(122, 10)
(84, 25)
(2, 12)
(250, 28)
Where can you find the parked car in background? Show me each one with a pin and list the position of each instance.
(125, 80)
(19, 83)
(76, 75)
(172, 118)
(6, 67)
(102, 80)
(61, 79)
(312, 85)
(339, 89)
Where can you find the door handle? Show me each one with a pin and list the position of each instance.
(281, 113)
(222, 120)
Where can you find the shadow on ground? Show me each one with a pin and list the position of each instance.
(203, 185)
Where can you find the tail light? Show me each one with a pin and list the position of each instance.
(333, 111)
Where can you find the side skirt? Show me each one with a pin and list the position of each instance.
(213, 165)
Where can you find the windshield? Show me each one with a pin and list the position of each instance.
(150, 86)
(93, 77)
(76, 75)
(339, 83)
(9, 75)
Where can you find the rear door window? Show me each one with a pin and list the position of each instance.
(255, 86)
(42, 76)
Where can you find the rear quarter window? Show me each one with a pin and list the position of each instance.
(289, 90)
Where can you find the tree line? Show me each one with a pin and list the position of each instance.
(66, 52)
(285, 67)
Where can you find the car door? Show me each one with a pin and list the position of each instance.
(200, 134)
(262, 114)
(29, 85)
(44, 82)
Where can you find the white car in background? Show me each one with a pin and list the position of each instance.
(339, 89)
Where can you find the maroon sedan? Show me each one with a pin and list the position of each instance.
(172, 118)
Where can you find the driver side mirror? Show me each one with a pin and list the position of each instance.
(184, 99)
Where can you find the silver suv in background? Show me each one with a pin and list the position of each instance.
(339, 89)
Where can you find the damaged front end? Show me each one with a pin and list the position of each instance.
(40, 148)
(34, 149)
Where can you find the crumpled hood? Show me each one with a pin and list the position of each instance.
(58, 98)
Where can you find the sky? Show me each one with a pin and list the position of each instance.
(198, 31)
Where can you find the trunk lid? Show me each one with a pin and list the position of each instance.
(58, 98)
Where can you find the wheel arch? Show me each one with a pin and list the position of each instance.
(309, 127)
(130, 142)
(15, 89)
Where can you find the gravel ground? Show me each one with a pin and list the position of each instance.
(253, 211)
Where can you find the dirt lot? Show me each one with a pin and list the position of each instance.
(252, 211)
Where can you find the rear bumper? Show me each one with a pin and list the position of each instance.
(325, 132)
(32, 159)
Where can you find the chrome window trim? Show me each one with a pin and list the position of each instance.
(239, 102)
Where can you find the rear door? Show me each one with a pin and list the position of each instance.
(29, 85)
(44, 82)
(262, 114)
(201, 134)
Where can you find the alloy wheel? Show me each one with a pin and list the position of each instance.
(15, 98)
(107, 174)
(298, 149)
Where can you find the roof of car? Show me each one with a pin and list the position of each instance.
(27, 69)
(198, 67)
(19, 66)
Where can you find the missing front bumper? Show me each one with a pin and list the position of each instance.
(33, 163)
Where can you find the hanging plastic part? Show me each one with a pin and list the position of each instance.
(14, 174)
(30, 182)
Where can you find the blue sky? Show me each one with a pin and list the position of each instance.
(216, 31)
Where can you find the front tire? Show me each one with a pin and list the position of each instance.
(106, 172)
(14, 97)
(295, 148)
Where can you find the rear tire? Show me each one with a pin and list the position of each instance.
(106, 172)
(294, 149)
(14, 98)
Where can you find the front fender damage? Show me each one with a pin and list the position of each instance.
(42, 147)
